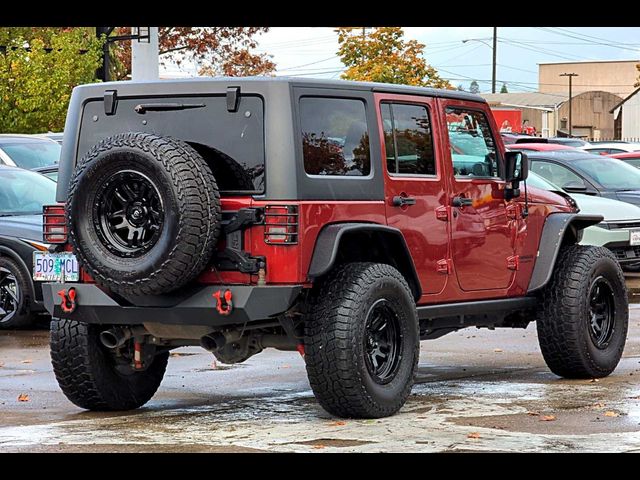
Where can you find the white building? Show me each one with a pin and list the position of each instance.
(627, 117)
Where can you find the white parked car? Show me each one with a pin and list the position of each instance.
(620, 229)
(611, 147)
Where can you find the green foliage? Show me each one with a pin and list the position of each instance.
(504, 88)
(474, 87)
(38, 69)
(383, 55)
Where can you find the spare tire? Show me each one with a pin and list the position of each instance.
(143, 213)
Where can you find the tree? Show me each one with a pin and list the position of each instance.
(38, 69)
(474, 87)
(638, 82)
(384, 56)
(504, 88)
(217, 50)
(461, 88)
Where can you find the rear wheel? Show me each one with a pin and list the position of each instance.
(362, 341)
(96, 378)
(584, 314)
(16, 295)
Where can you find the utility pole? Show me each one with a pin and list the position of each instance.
(570, 75)
(495, 56)
(102, 72)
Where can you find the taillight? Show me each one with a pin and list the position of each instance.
(54, 224)
(281, 224)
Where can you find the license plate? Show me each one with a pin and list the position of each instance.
(55, 267)
(634, 237)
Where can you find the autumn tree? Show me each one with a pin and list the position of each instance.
(217, 51)
(474, 87)
(383, 55)
(39, 66)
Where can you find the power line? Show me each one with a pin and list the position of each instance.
(570, 34)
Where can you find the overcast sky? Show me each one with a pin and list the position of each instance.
(311, 52)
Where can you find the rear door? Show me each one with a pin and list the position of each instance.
(415, 195)
(482, 243)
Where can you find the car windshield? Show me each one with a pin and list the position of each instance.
(24, 193)
(32, 154)
(608, 172)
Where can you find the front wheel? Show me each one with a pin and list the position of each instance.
(584, 314)
(96, 378)
(362, 341)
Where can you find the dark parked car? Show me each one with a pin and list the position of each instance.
(578, 172)
(50, 171)
(28, 151)
(568, 141)
(22, 195)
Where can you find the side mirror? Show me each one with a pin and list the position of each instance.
(517, 166)
(516, 171)
(575, 187)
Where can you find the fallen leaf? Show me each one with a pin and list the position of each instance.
(497, 350)
(594, 380)
(533, 414)
(23, 397)
(286, 366)
(473, 435)
(317, 447)
(547, 418)
(26, 361)
(611, 414)
(599, 405)
(339, 423)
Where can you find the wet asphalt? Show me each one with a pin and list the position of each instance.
(476, 390)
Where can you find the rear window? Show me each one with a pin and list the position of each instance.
(335, 140)
(232, 143)
(32, 154)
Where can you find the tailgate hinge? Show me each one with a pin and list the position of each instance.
(233, 257)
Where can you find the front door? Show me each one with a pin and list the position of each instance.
(481, 241)
(414, 187)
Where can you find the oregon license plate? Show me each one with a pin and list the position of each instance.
(634, 237)
(55, 267)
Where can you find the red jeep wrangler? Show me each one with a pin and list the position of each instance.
(344, 220)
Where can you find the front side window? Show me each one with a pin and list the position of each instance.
(473, 149)
(335, 139)
(555, 173)
(408, 139)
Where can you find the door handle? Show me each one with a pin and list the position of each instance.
(461, 202)
(399, 201)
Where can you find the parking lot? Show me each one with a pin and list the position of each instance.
(476, 391)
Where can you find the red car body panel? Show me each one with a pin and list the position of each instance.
(539, 147)
(625, 155)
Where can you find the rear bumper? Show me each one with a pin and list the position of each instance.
(198, 307)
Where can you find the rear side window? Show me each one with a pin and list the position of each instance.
(408, 139)
(335, 139)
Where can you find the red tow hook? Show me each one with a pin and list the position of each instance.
(224, 305)
(68, 297)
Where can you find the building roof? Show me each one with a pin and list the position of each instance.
(589, 61)
(624, 100)
(526, 99)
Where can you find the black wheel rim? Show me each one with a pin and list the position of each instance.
(9, 295)
(601, 312)
(128, 214)
(382, 342)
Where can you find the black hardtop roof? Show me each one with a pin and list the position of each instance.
(186, 84)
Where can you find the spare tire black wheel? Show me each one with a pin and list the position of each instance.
(143, 213)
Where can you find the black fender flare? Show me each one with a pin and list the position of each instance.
(328, 242)
(556, 226)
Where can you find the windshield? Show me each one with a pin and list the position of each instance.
(610, 173)
(33, 154)
(24, 193)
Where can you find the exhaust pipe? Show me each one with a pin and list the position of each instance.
(116, 337)
(213, 342)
